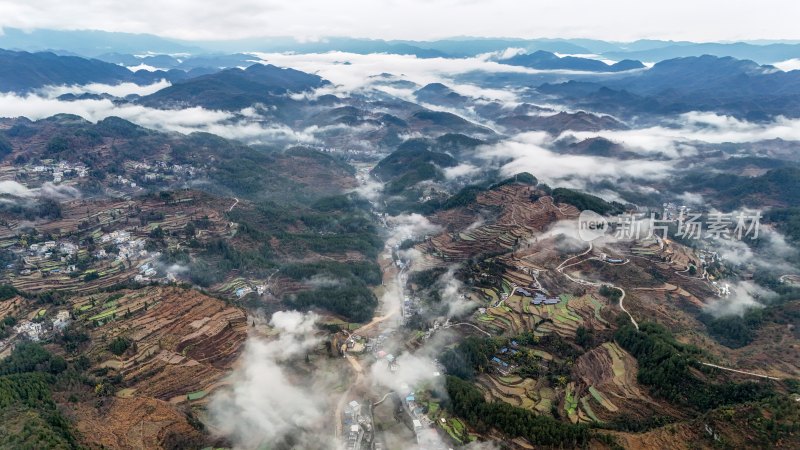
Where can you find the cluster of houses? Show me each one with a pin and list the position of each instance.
(47, 248)
(41, 252)
(346, 151)
(356, 425)
(122, 181)
(31, 330)
(723, 289)
(245, 290)
(35, 331)
(159, 169)
(410, 306)
(611, 260)
(148, 270)
(426, 436)
(537, 297)
(389, 358)
(502, 366)
(59, 170)
(128, 248)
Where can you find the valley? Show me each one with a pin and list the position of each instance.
(519, 249)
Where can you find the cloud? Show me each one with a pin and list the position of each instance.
(117, 90)
(461, 170)
(691, 198)
(413, 370)
(245, 127)
(453, 294)
(322, 281)
(58, 192)
(263, 403)
(363, 72)
(773, 255)
(143, 66)
(526, 153)
(788, 65)
(14, 189)
(508, 53)
(411, 226)
(672, 140)
(619, 20)
(370, 189)
(743, 296)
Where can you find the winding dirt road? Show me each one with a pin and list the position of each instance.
(562, 266)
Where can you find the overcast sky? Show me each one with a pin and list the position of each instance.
(624, 20)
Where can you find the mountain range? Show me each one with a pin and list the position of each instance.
(97, 43)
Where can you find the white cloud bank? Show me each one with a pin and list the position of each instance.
(527, 153)
(618, 20)
(262, 404)
(187, 120)
(117, 90)
(673, 140)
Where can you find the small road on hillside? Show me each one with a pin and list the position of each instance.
(740, 371)
(563, 265)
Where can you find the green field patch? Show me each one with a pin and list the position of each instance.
(196, 395)
(618, 365)
(504, 320)
(455, 428)
(602, 400)
(597, 307)
(571, 405)
(542, 354)
(544, 406)
(104, 314)
(588, 409)
(125, 393)
(491, 293)
(510, 380)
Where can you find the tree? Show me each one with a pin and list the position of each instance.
(119, 345)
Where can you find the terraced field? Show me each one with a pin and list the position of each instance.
(517, 315)
(182, 341)
(607, 381)
(519, 220)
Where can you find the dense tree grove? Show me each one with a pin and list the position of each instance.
(5, 147)
(664, 366)
(468, 357)
(28, 414)
(584, 201)
(340, 288)
(355, 302)
(119, 345)
(467, 402)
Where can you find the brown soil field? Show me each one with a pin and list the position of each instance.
(612, 372)
(183, 341)
(518, 219)
(133, 423)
